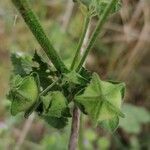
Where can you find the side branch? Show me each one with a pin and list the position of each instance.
(95, 34)
(84, 31)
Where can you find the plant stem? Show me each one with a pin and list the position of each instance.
(44, 92)
(81, 138)
(73, 142)
(99, 26)
(85, 27)
(76, 122)
(33, 23)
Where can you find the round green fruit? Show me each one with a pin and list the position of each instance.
(24, 95)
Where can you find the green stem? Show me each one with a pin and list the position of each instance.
(85, 27)
(33, 23)
(48, 88)
(99, 26)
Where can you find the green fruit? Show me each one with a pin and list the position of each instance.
(114, 99)
(102, 100)
(24, 94)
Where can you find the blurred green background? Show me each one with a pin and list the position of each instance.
(122, 52)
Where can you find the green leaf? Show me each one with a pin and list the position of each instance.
(110, 124)
(23, 93)
(22, 64)
(135, 117)
(101, 100)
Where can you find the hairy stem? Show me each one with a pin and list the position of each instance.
(73, 142)
(44, 92)
(85, 27)
(95, 34)
(33, 23)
